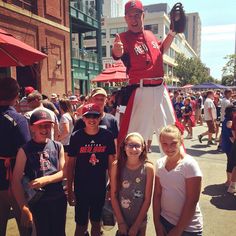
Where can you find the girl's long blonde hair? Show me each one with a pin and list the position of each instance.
(173, 129)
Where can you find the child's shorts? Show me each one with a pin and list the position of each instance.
(88, 207)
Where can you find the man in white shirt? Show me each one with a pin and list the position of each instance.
(210, 117)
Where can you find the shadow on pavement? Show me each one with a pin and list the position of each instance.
(220, 198)
(155, 148)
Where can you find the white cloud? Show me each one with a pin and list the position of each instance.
(219, 33)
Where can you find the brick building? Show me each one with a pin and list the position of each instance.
(45, 26)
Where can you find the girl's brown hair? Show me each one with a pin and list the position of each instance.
(65, 105)
(122, 156)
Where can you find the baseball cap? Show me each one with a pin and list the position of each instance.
(73, 98)
(40, 116)
(53, 95)
(133, 4)
(91, 109)
(28, 90)
(97, 91)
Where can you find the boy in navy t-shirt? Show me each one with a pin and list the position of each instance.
(41, 160)
(91, 153)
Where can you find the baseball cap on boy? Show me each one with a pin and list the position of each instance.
(39, 117)
(133, 4)
(91, 109)
(97, 91)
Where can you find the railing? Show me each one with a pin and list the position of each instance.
(25, 4)
(84, 55)
(89, 10)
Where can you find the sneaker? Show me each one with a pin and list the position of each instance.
(149, 150)
(200, 138)
(210, 142)
(232, 188)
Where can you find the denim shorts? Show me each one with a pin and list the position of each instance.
(168, 226)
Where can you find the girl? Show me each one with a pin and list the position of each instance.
(42, 161)
(66, 124)
(177, 188)
(131, 186)
(188, 117)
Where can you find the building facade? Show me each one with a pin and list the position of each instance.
(85, 18)
(45, 26)
(193, 32)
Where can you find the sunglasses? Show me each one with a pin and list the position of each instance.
(92, 116)
(133, 145)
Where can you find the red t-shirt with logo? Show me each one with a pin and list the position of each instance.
(142, 55)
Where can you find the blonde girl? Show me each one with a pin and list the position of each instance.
(177, 188)
(131, 186)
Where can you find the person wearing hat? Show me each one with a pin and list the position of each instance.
(23, 106)
(91, 153)
(55, 100)
(14, 133)
(149, 107)
(35, 101)
(41, 160)
(107, 121)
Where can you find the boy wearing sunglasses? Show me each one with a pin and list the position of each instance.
(91, 153)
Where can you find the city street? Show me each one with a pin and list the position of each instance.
(218, 207)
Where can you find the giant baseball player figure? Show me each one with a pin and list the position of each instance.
(149, 107)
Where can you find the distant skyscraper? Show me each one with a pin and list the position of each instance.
(157, 8)
(193, 32)
(112, 8)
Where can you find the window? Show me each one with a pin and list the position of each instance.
(103, 33)
(153, 28)
(115, 31)
(104, 54)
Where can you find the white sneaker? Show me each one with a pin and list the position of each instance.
(232, 188)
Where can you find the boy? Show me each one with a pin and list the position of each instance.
(42, 161)
(91, 153)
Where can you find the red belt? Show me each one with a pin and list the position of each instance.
(7, 164)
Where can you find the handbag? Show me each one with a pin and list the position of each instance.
(108, 220)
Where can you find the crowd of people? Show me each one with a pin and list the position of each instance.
(70, 149)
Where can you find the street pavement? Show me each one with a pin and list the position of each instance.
(218, 207)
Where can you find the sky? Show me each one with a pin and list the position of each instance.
(218, 20)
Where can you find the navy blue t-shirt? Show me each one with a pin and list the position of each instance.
(91, 153)
(108, 122)
(43, 160)
(14, 132)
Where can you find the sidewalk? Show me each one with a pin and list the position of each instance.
(218, 207)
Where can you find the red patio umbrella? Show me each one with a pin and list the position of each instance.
(13, 52)
(116, 73)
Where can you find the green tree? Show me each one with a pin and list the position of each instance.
(229, 70)
(191, 70)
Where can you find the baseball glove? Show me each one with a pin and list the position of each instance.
(177, 18)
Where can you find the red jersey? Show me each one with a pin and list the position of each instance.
(142, 55)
